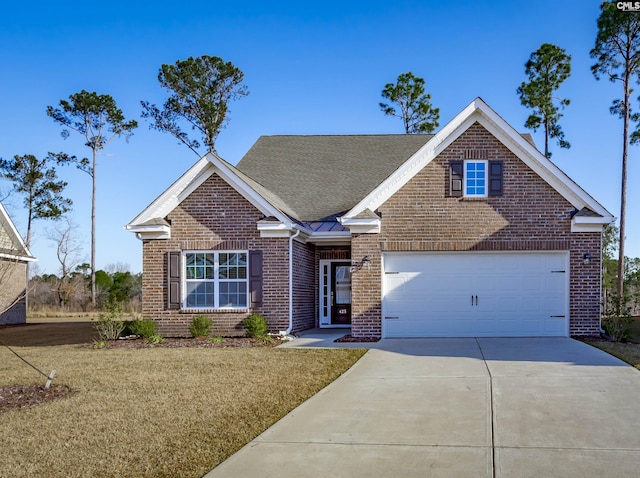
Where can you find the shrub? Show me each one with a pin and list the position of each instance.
(155, 339)
(127, 328)
(200, 326)
(109, 325)
(256, 326)
(618, 328)
(100, 344)
(617, 321)
(265, 339)
(144, 328)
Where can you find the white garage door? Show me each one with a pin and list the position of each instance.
(475, 294)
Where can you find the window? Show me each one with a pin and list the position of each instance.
(475, 178)
(216, 280)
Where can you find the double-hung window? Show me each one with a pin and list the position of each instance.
(475, 179)
(216, 280)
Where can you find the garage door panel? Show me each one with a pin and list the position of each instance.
(475, 294)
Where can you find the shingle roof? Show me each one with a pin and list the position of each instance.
(321, 176)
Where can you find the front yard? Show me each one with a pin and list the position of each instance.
(630, 351)
(152, 412)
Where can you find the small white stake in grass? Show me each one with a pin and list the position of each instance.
(49, 379)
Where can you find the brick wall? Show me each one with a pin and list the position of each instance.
(304, 286)
(530, 215)
(366, 306)
(215, 217)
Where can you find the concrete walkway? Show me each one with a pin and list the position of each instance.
(540, 407)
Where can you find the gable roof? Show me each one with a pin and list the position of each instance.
(11, 244)
(151, 220)
(321, 176)
(520, 145)
(311, 179)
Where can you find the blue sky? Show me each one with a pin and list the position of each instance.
(311, 68)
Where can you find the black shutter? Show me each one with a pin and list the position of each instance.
(495, 178)
(255, 278)
(173, 280)
(456, 173)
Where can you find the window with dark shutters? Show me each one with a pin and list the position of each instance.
(495, 178)
(456, 176)
(255, 278)
(173, 280)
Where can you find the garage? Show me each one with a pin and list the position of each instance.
(475, 294)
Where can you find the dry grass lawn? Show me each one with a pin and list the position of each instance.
(152, 412)
(628, 352)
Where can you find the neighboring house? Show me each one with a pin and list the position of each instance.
(14, 257)
(468, 232)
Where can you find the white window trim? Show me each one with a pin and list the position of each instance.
(486, 178)
(215, 280)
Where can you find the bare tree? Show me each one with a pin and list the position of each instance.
(68, 253)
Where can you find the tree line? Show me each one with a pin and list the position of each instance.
(199, 90)
(72, 292)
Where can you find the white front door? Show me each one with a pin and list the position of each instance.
(335, 293)
(478, 294)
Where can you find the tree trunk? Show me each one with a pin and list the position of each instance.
(546, 138)
(93, 230)
(623, 189)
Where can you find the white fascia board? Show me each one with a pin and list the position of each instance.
(168, 200)
(361, 225)
(336, 238)
(194, 178)
(589, 223)
(581, 227)
(150, 232)
(27, 256)
(479, 111)
(281, 229)
(274, 229)
(17, 258)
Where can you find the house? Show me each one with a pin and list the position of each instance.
(468, 232)
(14, 257)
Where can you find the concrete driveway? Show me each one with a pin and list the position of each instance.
(489, 407)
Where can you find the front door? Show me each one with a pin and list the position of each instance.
(341, 293)
(335, 293)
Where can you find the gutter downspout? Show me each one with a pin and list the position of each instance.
(290, 328)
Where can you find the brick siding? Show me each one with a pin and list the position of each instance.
(304, 286)
(216, 217)
(530, 215)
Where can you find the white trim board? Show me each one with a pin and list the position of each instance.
(478, 111)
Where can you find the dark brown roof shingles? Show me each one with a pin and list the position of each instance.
(321, 176)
